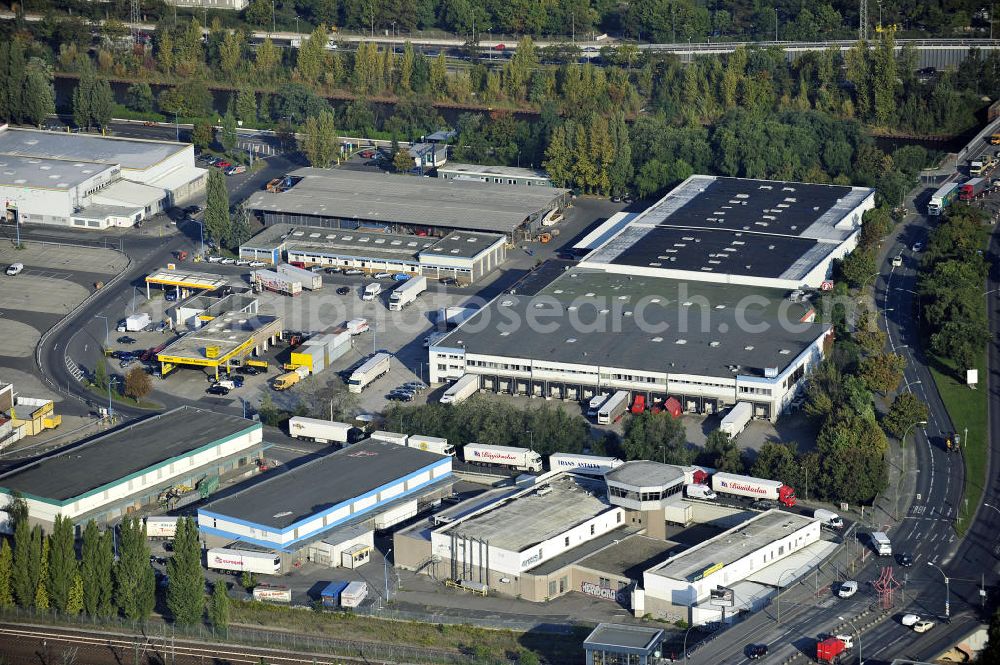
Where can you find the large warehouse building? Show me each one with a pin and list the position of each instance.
(463, 255)
(319, 509)
(92, 182)
(130, 469)
(701, 297)
(358, 201)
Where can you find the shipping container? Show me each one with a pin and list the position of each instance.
(354, 594)
(330, 595)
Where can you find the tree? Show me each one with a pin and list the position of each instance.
(39, 99)
(723, 453)
(139, 97)
(231, 53)
(186, 593)
(655, 436)
(217, 222)
(882, 372)
(439, 75)
(218, 608)
(26, 555)
(268, 412)
(990, 655)
(241, 230)
(6, 575)
(259, 13)
(83, 95)
(402, 162)
(227, 134)
(74, 602)
(906, 411)
(102, 104)
(858, 268)
(312, 55)
(96, 570)
(319, 140)
(62, 562)
(246, 106)
(137, 383)
(42, 598)
(135, 584)
(868, 336)
(201, 134)
(101, 374)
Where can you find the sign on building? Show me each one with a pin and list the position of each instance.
(722, 596)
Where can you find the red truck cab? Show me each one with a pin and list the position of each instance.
(829, 649)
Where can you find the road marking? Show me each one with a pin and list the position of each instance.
(73, 368)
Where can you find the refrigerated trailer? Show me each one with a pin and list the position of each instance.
(321, 431)
(756, 488)
(461, 390)
(521, 459)
(268, 280)
(309, 279)
(407, 292)
(431, 444)
(613, 408)
(590, 465)
(161, 527)
(737, 419)
(373, 368)
(224, 558)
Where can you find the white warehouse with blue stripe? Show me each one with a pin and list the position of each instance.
(318, 510)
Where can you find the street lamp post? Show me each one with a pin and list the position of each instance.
(106, 331)
(990, 505)
(201, 228)
(686, 641)
(857, 634)
(385, 573)
(947, 591)
(902, 444)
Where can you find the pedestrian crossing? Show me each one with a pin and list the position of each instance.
(74, 369)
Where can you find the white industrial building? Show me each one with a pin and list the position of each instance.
(233, 5)
(127, 470)
(495, 175)
(89, 181)
(702, 297)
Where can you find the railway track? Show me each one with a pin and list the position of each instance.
(40, 644)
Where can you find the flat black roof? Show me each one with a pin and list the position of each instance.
(323, 483)
(113, 457)
(593, 318)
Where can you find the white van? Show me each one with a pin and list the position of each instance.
(698, 491)
(881, 543)
(829, 518)
(371, 291)
(14, 268)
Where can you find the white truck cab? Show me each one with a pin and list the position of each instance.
(372, 291)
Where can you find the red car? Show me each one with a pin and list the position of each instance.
(499, 47)
(223, 165)
(367, 154)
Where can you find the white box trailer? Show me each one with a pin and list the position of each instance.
(590, 465)
(309, 279)
(737, 419)
(451, 317)
(269, 280)
(389, 437)
(407, 292)
(137, 322)
(431, 444)
(521, 459)
(461, 390)
(321, 431)
(161, 527)
(354, 594)
(272, 593)
(373, 368)
(613, 409)
(224, 558)
(395, 515)
(595, 403)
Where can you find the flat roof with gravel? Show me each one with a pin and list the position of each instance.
(396, 199)
(113, 458)
(41, 173)
(134, 154)
(518, 522)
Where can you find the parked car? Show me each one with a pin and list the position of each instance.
(400, 396)
(847, 589)
(316, 268)
(14, 268)
(416, 386)
(228, 262)
(449, 281)
(343, 291)
(248, 370)
(170, 296)
(354, 271)
(382, 275)
(242, 262)
(217, 390)
(214, 259)
(192, 210)
(909, 620)
(257, 264)
(222, 164)
(236, 170)
(126, 362)
(125, 339)
(331, 270)
(367, 154)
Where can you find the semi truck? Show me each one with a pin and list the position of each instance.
(321, 431)
(407, 292)
(309, 279)
(756, 488)
(737, 419)
(972, 188)
(224, 558)
(161, 527)
(613, 408)
(829, 650)
(942, 198)
(272, 593)
(521, 459)
(373, 368)
(269, 280)
(431, 444)
(289, 379)
(461, 390)
(590, 465)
